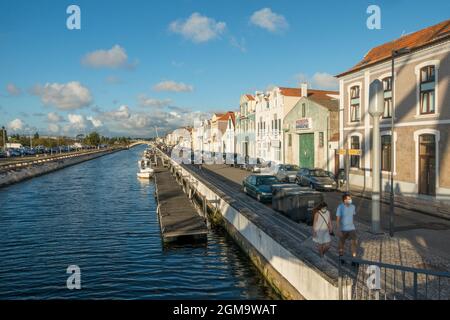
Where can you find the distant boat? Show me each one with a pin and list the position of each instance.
(145, 169)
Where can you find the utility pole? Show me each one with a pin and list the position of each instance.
(376, 109)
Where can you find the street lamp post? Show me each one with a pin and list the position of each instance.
(376, 106)
(4, 138)
(395, 53)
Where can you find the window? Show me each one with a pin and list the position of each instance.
(279, 124)
(321, 142)
(355, 104)
(386, 150)
(387, 87)
(354, 144)
(427, 90)
(290, 140)
(303, 110)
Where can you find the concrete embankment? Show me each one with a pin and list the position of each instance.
(272, 242)
(43, 166)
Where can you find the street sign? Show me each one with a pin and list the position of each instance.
(354, 152)
(351, 152)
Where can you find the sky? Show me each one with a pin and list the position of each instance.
(139, 65)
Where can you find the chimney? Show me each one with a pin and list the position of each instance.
(304, 89)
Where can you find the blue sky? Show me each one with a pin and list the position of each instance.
(139, 64)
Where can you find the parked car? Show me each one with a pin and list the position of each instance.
(2, 154)
(259, 186)
(268, 167)
(259, 164)
(316, 179)
(286, 172)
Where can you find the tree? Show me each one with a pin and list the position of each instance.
(3, 139)
(36, 136)
(92, 139)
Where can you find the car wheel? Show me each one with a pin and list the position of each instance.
(297, 181)
(258, 197)
(311, 186)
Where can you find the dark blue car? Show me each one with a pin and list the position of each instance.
(259, 186)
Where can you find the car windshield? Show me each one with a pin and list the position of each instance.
(290, 167)
(266, 181)
(318, 173)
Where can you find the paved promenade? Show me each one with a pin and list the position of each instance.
(420, 241)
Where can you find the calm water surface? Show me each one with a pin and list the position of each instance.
(99, 216)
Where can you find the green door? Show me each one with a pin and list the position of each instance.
(306, 150)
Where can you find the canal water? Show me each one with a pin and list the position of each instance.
(99, 216)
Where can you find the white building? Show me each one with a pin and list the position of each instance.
(229, 137)
(271, 107)
(246, 127)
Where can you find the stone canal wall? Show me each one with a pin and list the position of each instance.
(42, 166)
(292, 275)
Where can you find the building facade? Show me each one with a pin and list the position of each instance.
(311, 129)
(245, 130)
(420, 143)
(271, 107)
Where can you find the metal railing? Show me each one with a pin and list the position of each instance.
(370, 280)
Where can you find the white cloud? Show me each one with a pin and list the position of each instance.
(145, 101)
(123, 112)
(54, 128)
(54, 117)
(320, 80)
(116, 57)
(269, 20)
(198, 28)
(64, 96)
(173, 86)
(95, 122)
(79, 123)
(16, 125)
(13, 90)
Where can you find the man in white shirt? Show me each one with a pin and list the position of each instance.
(345, 226)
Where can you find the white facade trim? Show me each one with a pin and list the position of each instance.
(404, 124)
(393, 148)
(436, 63)
(349, 144)
(437, 135)
(349, 113)
(341, 122)
(367, 140)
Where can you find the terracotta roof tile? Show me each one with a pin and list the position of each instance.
(250, 97)
(412, 41)
(296, 92)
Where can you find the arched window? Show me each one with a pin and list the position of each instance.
(427, 90)
(355, 105)
(387, 87)
(386, 149)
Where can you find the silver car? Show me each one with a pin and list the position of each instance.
(316, 179)
(286, 172)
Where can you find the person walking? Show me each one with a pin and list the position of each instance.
(345, 225)
(322, 228)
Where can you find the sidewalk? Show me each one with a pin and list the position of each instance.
(437, 208)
